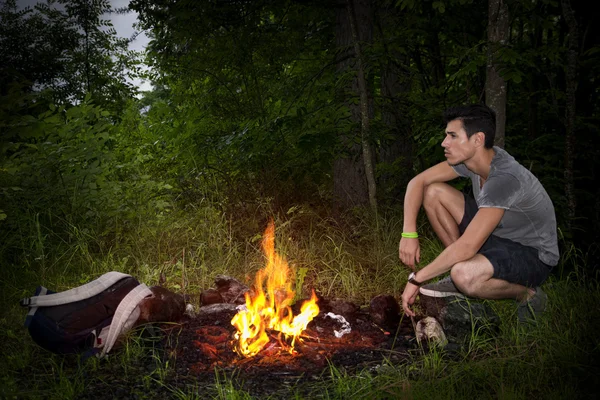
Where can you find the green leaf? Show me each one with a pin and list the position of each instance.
(440, 6)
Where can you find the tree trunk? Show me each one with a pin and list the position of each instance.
(495, 85)
(570, 109)
(365, 117)
(395, 154)
(350, 186)
(533, 85)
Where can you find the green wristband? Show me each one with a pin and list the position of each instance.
(410, 235)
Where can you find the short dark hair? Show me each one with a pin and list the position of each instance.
(475, 118)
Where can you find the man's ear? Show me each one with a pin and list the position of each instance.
(480, 138)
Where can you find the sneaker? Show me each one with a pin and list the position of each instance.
(534, 307)
(442, 288)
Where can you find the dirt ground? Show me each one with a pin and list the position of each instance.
(200, 351)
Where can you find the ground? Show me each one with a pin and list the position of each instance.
(200, 351)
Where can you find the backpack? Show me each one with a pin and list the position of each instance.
(87, 319)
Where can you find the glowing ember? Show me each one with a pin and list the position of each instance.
(271, 310)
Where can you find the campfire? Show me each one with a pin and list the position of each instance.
(261, 329)
(271, 310)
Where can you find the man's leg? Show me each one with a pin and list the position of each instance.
(474, 278)
(445, 208)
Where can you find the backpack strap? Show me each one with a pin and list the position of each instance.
(41, 292)
(121, 318)
(79, 293)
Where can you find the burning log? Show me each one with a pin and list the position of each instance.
(268, 306)
(217, 309)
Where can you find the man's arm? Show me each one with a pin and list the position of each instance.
(465, 248)
(409, 251)
(413, 199)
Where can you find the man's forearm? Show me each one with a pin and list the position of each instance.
(451, 255)
(413, 199)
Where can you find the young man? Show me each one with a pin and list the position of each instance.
(500, 244)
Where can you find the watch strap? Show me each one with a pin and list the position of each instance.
(411, 279)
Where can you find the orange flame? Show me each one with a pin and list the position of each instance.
(271, 310)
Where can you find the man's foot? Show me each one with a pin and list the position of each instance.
(442, 288)
(534, 307)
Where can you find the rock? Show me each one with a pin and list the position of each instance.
(342, 307)
(461, 318)
(164, 306)
(231, 290)
(210, 296)
(337, 306)
(429, 329)
(432, 306)
(384, 310)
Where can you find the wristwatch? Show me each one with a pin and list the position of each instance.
(411, 279)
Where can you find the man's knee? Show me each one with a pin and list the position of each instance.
(470, 275)
(463, 278)
(433, 195)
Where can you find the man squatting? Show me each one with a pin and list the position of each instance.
(502, 242)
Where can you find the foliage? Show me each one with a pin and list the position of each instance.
(244, 123)
(68, 47)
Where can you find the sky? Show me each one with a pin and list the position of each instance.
(123, 24)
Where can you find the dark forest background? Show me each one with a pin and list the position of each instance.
(329, 104)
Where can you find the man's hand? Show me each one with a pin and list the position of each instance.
(409, 252)
(408, 298)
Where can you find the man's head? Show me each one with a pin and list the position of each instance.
(475, 118)
(469, 130)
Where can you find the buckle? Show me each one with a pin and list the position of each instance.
(25, 302)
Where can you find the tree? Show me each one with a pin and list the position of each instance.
(395, 149)
(365, 102)
(571, 72)
(254, 88)
(68, 50)
(32, 44)
(350, 186)
(495, 84)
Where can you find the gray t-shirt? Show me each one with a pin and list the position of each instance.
(529, 218)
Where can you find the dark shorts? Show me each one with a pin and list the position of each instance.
(512, 261)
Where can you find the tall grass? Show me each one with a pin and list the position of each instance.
(353, 257)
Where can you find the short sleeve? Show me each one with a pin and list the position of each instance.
(500, 192)
(462, 170)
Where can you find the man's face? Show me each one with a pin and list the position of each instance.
(457, 147)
